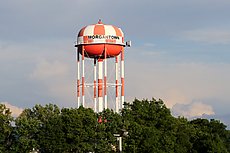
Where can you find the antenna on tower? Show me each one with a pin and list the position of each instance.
(99, 21)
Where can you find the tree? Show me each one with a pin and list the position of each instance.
(78, 126)
(210, 136)
(109, 123)
(183, 133)
(29, 126)
(151, 126)
(5, 128)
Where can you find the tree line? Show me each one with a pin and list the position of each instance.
(150, 125)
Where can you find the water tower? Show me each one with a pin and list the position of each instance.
(99, 43)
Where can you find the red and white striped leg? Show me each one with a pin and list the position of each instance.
(83, 77)
(94, 85)
(100, 83)
(122, 79)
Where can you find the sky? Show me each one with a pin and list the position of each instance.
(180, 52)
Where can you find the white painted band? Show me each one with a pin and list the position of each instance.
(100, 104)
(100, 69)
(105, 103)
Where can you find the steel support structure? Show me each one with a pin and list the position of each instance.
(95, 84)
(122, 79)
(99, 83)
(78, 77)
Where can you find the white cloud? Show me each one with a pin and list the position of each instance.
(212, 36)
(46, 70)
(16, 111)
(194, 109)
(56, 78)
(175, 96)
(179, 83)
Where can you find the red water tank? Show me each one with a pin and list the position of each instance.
(100, 39)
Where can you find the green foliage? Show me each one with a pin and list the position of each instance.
(30, 125)
(183, 133)
(151, 127)
(78, 126)
(211, 136)
(5, 128)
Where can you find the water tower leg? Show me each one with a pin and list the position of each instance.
(78, 78)
(105, 81)
(116, 85)
(122, 79)
(83, 77)
(94, 85)
(100, 75)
